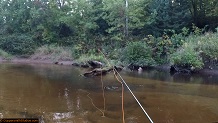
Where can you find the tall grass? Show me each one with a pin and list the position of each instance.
(52, 52)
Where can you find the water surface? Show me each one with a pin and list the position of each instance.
(58, 94)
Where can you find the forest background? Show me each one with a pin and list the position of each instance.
(136, 32)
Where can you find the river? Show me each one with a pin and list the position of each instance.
(56, 93)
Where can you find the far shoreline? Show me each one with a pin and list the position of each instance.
(166, 67)
(36, 61)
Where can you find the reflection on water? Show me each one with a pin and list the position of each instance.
(58, 94)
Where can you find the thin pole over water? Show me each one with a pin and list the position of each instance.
(128, 88)
(135, 97)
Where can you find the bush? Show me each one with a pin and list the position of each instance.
(138, 54)
(187, 56)
(17, 44)
(112, 52)
(197, 50)
(208, 45)
(78, 50)
(5, 55)
(163, 46)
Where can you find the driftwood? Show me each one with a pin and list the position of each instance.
(92, 64)
(96, 72)
(100, 71)
(95, 64)
(76, 64)
(84, 65)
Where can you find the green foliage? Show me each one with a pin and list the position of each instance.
(185, 31)
(208, 45)
(162, 47)
(138, 53)
(197, 50)
(15, 15)
(138, 15)
(204, 12)
(17, 44)
(177, 40)
(112, 51)
(52, 52)
(87, 25)
(77, 51)
(91, 57)
(196, 30)
(217, 29)
(169, 16)
(115, 15)
(187, 56)
(5, 55)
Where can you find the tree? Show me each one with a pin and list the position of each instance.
(98, 12)
(117, 13)
(169, 16)
(50, 21)
(204, 12)
(114, 14)
(138, 16)
(15, 15)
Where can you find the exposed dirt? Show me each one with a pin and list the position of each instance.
(35, 61)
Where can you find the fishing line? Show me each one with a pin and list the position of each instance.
(117, 73)
(134, 97)
(123, 112)
(103, 94)
(94, 104)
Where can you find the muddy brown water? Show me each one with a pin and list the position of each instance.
(55, 93)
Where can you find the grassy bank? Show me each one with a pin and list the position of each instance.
(195, 51)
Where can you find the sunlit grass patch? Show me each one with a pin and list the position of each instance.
(91, 57)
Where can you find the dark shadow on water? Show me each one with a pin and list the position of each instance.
(165, 76)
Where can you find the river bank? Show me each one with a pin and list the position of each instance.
(165, 67)
(35, 61)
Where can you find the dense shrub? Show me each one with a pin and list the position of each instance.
(17, 44)
(187, 56)
(138, 53)
(78, 50)
(197, 50)
(208, 45)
